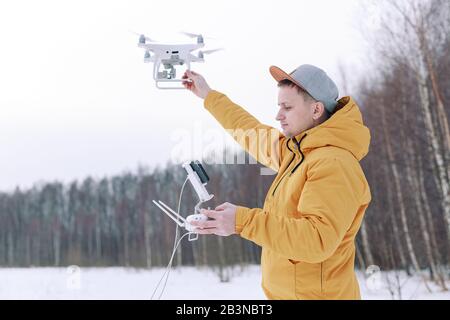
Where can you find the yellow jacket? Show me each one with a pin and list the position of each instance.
(314, 208)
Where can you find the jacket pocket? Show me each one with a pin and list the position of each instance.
(308, 280)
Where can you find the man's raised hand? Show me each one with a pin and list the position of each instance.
(196, 83)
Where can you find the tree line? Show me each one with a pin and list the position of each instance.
(112, 221)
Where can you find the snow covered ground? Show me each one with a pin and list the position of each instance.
(183, 283)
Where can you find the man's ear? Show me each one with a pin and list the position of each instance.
(318, 110)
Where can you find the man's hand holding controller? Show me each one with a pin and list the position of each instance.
(222, 220)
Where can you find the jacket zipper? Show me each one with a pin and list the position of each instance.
(275, 189)
(295, 168)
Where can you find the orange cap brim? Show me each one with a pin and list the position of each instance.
(279, 75)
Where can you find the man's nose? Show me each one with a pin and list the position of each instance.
(279, 116)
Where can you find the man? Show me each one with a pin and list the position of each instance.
(315, 206)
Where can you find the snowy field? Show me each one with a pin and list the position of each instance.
(183, 283)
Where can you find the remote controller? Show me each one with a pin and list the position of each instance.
(194, 217)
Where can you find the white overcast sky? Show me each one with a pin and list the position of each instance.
(76, 98)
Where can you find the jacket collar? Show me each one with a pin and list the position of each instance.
(294, 143)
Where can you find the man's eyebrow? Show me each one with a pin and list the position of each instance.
(285, 102)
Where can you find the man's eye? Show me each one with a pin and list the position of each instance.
(288, 108)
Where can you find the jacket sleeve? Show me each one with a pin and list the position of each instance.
(262, 142)
(327, 207)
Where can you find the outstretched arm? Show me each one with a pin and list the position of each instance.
(262, 142)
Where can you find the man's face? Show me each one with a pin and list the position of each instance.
(295, 115)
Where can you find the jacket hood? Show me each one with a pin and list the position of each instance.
(344, 129)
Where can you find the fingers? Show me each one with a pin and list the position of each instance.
(192, 73)
(187, 75)
(188, 84)
(204, 224)
(210, 213)
(205, 227)
(223, 206)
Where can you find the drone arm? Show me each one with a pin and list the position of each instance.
(147, 47)
(194, 58)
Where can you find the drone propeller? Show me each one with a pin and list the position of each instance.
(194, 35)
(203, 52)
(198, 36)
(211, 51)
(190, 35)
(142, 38)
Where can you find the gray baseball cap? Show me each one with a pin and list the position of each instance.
(314, 81)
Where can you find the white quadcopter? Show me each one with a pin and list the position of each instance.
(171, 55)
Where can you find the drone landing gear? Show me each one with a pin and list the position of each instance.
(166, 79)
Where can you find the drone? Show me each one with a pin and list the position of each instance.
(198, 178)
(171, 55)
